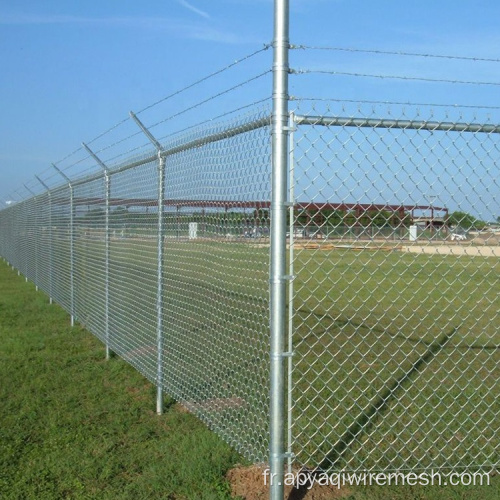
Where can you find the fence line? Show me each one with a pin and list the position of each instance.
(168, 270)
(319, 287)
(389, 337)
(91, 236)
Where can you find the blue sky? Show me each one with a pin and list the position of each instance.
(72, 69)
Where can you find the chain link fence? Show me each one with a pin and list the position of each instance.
(179, 289)
(394, 311)
(393, 288)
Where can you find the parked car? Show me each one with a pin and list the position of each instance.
(458, 234)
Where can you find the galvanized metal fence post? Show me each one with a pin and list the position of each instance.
(159, 293)
(107, 189)
(159, 297)
(107, 236)
(278, 275)
(51, 263)
(71, 245)
(291, 230)
(32, 200)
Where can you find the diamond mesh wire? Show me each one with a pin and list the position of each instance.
(133, 270)
(60, 246)
(196, 325)
(216, 282)
(44, 243)
(89, 255)
(29, 240)
(8, 241)
(23, 237)
(394, 310)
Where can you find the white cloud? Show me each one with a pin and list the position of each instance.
(179, 28)
(25, 19)
(192, 8)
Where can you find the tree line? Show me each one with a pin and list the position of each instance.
(261, 217)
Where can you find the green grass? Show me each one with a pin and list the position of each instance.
(397, 360)
(369, 326)
(75, 426)
(215, 322)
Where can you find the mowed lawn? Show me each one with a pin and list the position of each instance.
(75, 426)
(397, 360)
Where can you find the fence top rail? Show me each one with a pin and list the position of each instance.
(338, 121)
(179, 203)
(226, 133)
(196, 143)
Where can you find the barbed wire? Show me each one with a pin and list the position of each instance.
(175, 115)
(68, 156)
(395, 53)
(78, 162)
(113, 160)
(211, 98)
(109, 130)
(399, 103)
(218, 117)
(201, 80)
(390, 77)
(119, 141)
(170, 96)
(67, 168)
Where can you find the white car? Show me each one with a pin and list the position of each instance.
(457, 237)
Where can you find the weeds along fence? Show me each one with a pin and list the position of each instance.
(390, 341)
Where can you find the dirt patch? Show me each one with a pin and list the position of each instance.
(486, 239)
(248, 483)
(181, 408)
(465, 249)
(216, 404)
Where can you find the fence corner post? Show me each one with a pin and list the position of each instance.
(159, 305)
(279, 186)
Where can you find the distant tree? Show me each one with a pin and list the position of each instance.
(119, 212)
(350, 219)
(332, 217)
(301, 217)
(400, 221)
(94, 213)
(261, 214)
(465, 220)
(377, 218)
(93, 218)
(118, 217)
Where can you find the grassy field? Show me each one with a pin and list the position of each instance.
(397, 360)
(75, 426)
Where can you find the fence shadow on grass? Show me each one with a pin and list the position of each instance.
(342, 322)
(365, 422)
